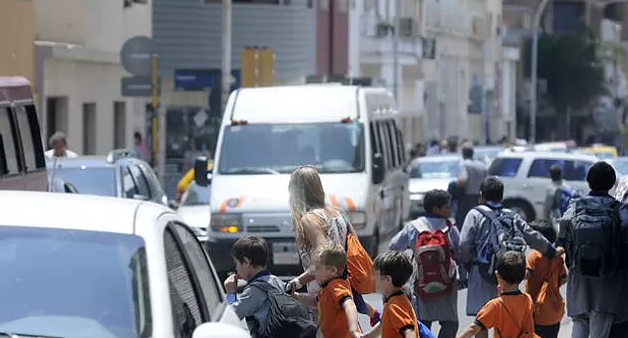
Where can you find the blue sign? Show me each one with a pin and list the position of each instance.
(194, 79)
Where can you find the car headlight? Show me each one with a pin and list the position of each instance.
(358, 220)
(417, 197)
(226, 223)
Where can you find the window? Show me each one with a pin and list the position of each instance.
(200, 265)
(374, 139)
(384, 137)
(572, 170)
(89, 128)
(10, 161)
(151, 178)
(128, 184)
(30, 136)
(185, 301)
(401, 151)
(119, 125)
(140, 181)
(90, 181)
(505, 167)
(568, 15)
(392, 140)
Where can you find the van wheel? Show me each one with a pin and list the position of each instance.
(522, 208)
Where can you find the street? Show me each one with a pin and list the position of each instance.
(376, 300)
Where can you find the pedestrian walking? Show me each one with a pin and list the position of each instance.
(471, 174)
(558, 195)
(58, 144)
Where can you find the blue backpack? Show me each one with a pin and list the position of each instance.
(562, 198)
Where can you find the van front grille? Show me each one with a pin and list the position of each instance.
(262, 228)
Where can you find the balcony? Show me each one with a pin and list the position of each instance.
(376, 40)
(448, 20)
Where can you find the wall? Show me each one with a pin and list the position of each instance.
(188, 34)
(17, 36)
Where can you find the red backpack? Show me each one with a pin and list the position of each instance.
(436, 268)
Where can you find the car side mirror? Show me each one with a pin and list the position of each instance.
(219, 330)
(172, 204)
(378, 172)
(201, 175)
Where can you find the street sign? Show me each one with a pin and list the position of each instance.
(138, 86)
(194, 79)
(135, 55)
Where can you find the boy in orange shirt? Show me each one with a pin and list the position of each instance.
(545, 277)
(392, 271)
(510, 314)
(337, 314)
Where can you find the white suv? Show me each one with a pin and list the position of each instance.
(87, 266)
(526, 177)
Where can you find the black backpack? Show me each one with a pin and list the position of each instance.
(593, 238)
(287, 318)
(504, 235)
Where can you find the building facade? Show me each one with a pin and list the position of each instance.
(78, 71)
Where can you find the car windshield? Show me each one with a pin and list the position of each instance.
(90, 181)
(196, 195)
(73, 283)
(436, 169)
(279, 148)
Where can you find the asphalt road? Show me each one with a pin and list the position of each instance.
(376, 300)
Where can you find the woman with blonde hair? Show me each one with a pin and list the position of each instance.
(314, 225)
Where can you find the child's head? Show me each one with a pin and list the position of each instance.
(250, 255)
(437, 202)
(601, 177)
(393, 269)
(330, 261)
(556, 173)
(511, 268)
(546, 229)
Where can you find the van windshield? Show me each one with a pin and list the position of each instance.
(279, 148)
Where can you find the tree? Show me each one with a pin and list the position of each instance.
(575, 77)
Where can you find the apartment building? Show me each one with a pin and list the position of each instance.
(78, 71)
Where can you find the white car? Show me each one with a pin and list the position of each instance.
(87, 266)
(194, 208)
(428, 173)
(526, 177)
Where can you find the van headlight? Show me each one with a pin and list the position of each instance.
(358, 220)
(226, 223)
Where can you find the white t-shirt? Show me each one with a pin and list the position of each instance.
(68, 153)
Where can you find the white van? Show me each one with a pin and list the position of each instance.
(348, 133)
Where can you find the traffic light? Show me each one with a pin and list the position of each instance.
(266, 67)
(248, 67)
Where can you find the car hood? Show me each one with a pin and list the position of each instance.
(195, 216)
(421, 185)
(269, 193)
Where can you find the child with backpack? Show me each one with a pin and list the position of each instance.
(558, 195)
(433, 236)
(490, 230)
(592, 233)
(337, 313)
(544, 278)
(268, 310)
(510, 314)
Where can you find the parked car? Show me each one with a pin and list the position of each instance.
(119, 174)
(620, 164)
(90, 266)
(487, 153)
(600, 151)
(427, 173)
(194, 208)
(526, 177)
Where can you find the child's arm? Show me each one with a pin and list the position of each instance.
(470, 331)
(409, 333)
(305, 299)
(374, 332)
(352, 317)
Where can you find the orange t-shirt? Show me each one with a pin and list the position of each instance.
(398, 316)
(542, 269)
(332, 318)
(509, 315)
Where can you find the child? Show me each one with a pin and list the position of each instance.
(510, 314)
(442, 307)
(545, 276)
(337, 314)
(392, 271)
(250, 256)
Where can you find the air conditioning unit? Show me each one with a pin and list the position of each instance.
(383, 29)
(408, 27)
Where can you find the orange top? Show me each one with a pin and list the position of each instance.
(509, 315)
(332, 318)
(550, 305)
(398, 316)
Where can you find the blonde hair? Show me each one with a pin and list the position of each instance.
(330, 254)
(306, 193)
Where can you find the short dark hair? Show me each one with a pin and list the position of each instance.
(435, 199)
(254, 248)
(492, 189)
(601, 177)
(467, 152)
(395, 264)
(556, 172)
(511, 266)
(137, 136)
(546, 229)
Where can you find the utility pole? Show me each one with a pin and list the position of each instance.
(483, 103)
(396, 51)
(533, 77)
(226, 53)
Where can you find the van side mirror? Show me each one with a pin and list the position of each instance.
(200, 171)
(378, 169)
(219, 330)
